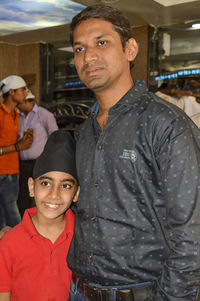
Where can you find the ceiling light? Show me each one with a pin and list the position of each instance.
(68, 49)
(109, 1)
(173, 2)
(196, 25)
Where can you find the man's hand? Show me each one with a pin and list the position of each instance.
(26, 141)
(4, 230)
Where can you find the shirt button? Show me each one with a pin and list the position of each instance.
(99, 146)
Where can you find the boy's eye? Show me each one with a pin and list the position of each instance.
(45, 183)
(67, 186)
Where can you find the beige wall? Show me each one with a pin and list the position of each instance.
(23, 60)
(29, 66)
(8, 59)
(140, 69)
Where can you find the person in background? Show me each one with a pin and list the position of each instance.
(164, 92)
(43, 123)
(186, 99)
(137, 229)
(13, 89)
(33, 254)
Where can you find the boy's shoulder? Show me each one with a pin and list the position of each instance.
(13, 235)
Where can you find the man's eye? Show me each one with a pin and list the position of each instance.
(102, 43)
(79, 49)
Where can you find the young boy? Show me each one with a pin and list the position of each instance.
(33, 254)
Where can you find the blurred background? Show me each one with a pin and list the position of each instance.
(34, 43)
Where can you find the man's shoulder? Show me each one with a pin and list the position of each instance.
(44, 110)
(44, 113)
(3, 109)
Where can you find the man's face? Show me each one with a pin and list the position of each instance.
(19, 95)
(24, 107)
(53, 193)
(99, 58)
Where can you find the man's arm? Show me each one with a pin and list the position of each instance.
(24, 143)
(51, 124)
(179, 162)
(5, 296)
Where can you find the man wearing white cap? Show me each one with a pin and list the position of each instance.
(43, 124)
(13, 89)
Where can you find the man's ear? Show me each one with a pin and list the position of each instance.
(75, 199)
(131, 49)
(31, 187)
(11, 92)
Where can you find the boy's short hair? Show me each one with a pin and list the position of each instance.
(119, 21)
(58, 155)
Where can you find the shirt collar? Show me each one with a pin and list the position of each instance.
(30, 229)
(129, 98)
(34, 109)
(4, 107)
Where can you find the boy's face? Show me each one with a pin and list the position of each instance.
(53, 193)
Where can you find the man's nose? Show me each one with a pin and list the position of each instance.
(90, 54)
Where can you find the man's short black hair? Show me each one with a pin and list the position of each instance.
(120, 22)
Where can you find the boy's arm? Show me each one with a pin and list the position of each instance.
(5, 296)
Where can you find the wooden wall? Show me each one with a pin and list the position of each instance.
(140, 68)
(22, 60)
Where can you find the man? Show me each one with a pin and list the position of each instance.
(164, 92)
(137, 228)
(43, 124)
(13, 89)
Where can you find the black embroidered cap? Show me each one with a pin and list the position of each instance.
(58, 155)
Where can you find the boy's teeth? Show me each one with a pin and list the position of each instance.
(52, 205)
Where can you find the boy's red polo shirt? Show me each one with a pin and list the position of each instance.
(31, 266)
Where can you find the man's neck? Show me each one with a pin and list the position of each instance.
(10, 104)
(107, 99)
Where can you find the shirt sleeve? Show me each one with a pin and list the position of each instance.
(5, 267)
(178, 157)
(51, 124)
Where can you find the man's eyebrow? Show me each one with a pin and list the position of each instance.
(95, 38)
(101, 36)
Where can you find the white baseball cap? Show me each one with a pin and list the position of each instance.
(30, 95)
(11, 82)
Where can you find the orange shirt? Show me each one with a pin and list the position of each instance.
(9, 127)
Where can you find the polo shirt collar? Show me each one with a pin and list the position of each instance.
(30, 229)
(4, 107)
